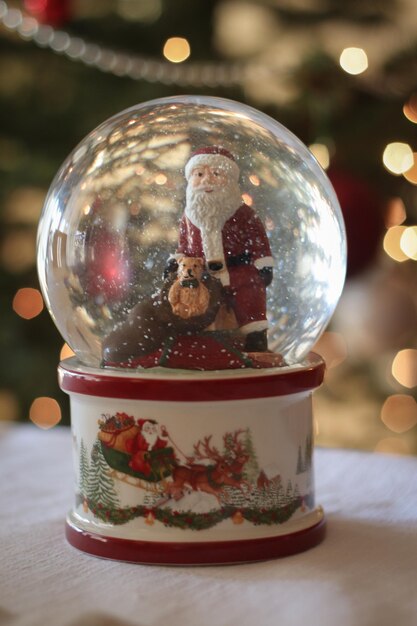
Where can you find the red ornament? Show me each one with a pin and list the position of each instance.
(53, 12)
(362, 211)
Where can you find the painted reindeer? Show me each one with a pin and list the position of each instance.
(225, 470)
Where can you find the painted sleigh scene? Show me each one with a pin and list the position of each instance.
(192, 489)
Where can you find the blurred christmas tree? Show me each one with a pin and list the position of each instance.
(340, 75)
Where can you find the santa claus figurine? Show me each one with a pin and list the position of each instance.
(227, 233)
(150, 437)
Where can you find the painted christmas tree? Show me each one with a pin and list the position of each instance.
(101, 489)
(308, 455)
(301, 464)
(84, 470)
(251, 468)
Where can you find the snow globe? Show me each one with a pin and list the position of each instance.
(191, 251)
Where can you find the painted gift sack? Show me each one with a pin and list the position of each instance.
(191, 252)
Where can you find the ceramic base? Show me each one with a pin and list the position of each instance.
(200, 468)
(196, 552)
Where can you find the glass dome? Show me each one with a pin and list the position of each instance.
(113, 223)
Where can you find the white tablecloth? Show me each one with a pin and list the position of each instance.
(364, 574)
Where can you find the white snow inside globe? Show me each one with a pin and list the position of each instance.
(191, 232)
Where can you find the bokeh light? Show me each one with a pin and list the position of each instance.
(410, 108)
(411, 174)
(399, 413)
(176, 49)
(392, 445)
(28, 303)
(66, 352)
(160, 179)
(392, 243)
(332, 347)
(398, 157)
(396, 213)
(322, 154)
(408, 242)
(354, 60)
(9, 405)
(404, 368)
(45, 412)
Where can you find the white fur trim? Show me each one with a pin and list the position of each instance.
(253, 327)
(266, 261)
(212, 160)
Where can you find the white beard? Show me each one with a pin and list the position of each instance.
(150, 439)
(209, 212)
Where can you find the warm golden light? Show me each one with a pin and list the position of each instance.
(254, 179)
(392, 241)
(28, 303)
(9, 405)
(160, 179)
(176, 49)
(322, 154)
(398, 157)
(45, 412)
(408, 242)
(410, 109)
(354, 60)
(396, 213)
(332, 347)
(247, 199)
(399, 413)
(404, 368)
(392, 445)
(66, 352)
(411, 174)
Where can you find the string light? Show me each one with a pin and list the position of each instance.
(396, 213)
(408, 242)
(404, 368)
(28, 303)
(137, 67)
(392, 243)
(322, 154)
(45, 412)
(398, 157)
(119, 64)
(176, 49)
(411, 174)
(399, 413)
(354, 60)
(66, 352)
(410, 109)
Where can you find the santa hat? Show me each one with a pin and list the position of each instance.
(214, 156)
(143, 421)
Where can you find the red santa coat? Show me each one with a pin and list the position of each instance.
(246, 250)
(138, 447)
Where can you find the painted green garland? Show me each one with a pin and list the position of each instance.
(196, 521)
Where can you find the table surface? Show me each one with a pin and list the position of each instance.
(364, 574)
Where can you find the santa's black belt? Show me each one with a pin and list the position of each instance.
(240, 259)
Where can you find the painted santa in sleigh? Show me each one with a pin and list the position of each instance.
(143, 450)
(210, 312)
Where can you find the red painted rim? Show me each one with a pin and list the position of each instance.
(195, 553)
(191, 388)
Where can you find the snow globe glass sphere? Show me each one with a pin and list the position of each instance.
(191, 251)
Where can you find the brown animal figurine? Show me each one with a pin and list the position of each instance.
(210, 478)
(152, 321)
(189, 296)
